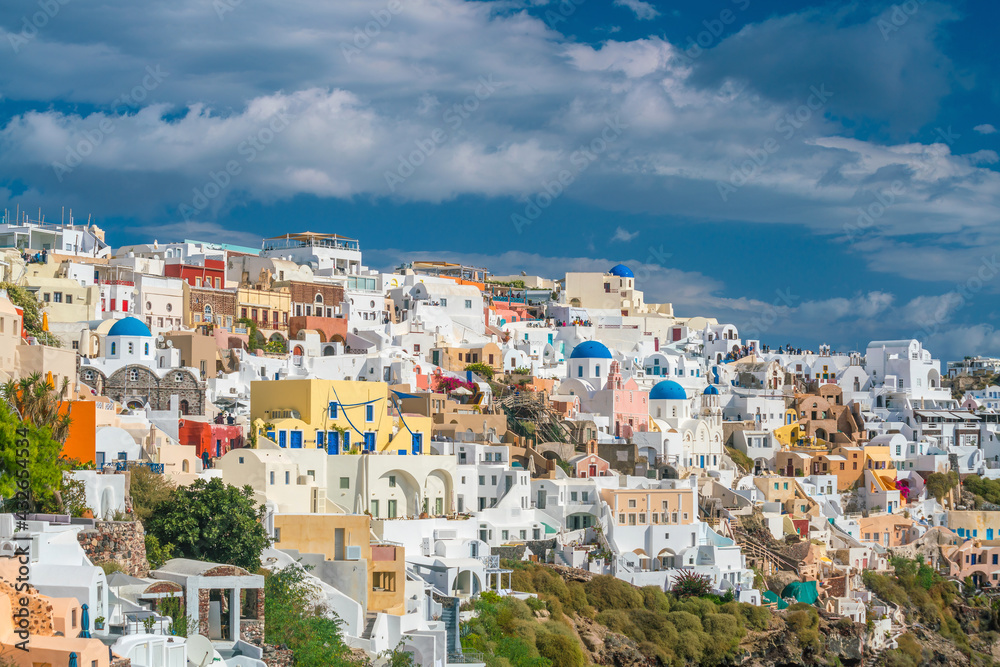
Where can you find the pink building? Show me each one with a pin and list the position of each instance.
(629, 404)
(590, 464)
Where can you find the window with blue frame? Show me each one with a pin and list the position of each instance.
(319, 439)
(334, 410)
(370, 413)
(347, 441)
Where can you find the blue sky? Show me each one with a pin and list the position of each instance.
(811, 172)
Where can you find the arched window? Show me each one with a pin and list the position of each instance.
(184, 465)
(146, 349)
(131, 348)
(319, 298)
(113, 349)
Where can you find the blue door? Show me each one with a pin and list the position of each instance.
(296, 439)
(218, 448)
(282, 438)
(333, 442)
(347, 441)
(702, 461)
(417, 442)
(989, 533)
(369, 442)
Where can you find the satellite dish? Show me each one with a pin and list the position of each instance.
(200, 651)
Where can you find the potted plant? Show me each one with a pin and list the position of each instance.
(99, 623)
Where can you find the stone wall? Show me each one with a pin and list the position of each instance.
(278, 657)
(252, 632)
(122, 542)
(516, 552)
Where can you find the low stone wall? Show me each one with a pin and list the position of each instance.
(516, 551)
(278, 657)
(252, 632)
(121, 662)
(121, 542)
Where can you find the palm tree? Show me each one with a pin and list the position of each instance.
(35, 401)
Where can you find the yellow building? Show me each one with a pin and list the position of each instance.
(269, 309)
(345, 540)
(343, 415)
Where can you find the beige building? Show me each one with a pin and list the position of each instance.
(10, 336)
(615, 290)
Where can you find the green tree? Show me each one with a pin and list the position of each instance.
(939, 484)
(482, 370)
(212, 521)
(148, 491)
(32, 403)
(157, 554)
(29, 305)
(294, 618)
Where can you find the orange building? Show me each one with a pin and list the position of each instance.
(81, 444)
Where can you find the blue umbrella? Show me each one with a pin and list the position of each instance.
(72, 660)
(85, 623)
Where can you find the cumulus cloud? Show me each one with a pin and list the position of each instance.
(985, 128)
(643, 10)
(446, 99)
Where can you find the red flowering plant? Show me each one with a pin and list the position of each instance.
(447, 384)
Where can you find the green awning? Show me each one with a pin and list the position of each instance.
(803, 591)
(770, 596)
(549, 529)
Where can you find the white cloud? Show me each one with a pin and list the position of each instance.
(643, 10)
(355, 117)
(623, 235)
(985, 128)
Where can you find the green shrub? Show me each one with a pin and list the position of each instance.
(607, 592)
(654, 599)
(563, 651)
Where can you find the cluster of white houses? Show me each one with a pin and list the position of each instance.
(357, 404)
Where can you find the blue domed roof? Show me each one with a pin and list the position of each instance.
(711, 391)
(621, 271)
(668, 390)
(129, 326)
(591, 349)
